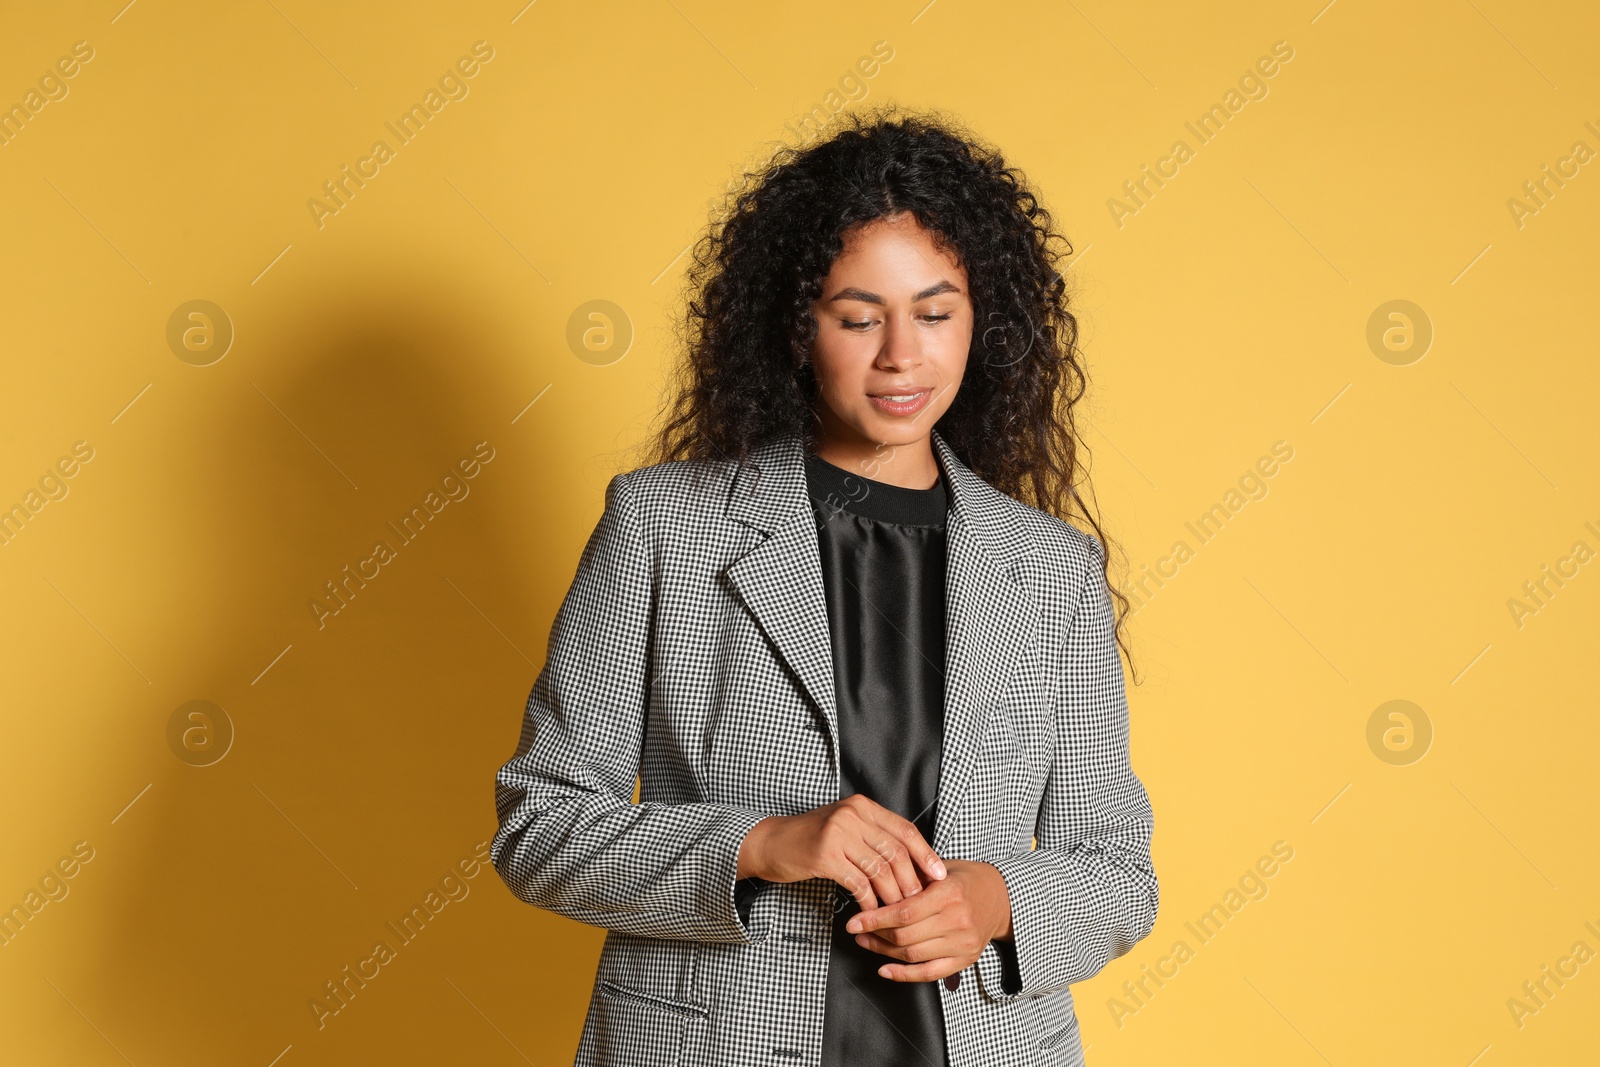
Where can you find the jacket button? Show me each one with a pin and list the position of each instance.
(951, 981)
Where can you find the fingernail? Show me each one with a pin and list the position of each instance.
(938, 868)
(883, 972)
(854, 926)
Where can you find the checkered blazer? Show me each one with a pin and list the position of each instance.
(692, 652)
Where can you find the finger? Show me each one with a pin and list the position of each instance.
(929, 929)
(912, 951)
(897, 858)
(915, 909)
(857, 884)
(880, 872)
(906, 832)
(872, 823)
(928, 971)
(862, 872)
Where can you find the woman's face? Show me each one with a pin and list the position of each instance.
(894, 321)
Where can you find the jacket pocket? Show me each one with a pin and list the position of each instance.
(627, 1027)
(660, 969)
(648, 1000)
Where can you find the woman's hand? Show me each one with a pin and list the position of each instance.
(941, 930)
(856, 842)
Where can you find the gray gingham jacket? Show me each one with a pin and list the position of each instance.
(692, 651)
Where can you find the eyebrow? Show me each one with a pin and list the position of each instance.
(852, 293)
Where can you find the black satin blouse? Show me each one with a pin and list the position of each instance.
(882, 549)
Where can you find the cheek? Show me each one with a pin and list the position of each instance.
(953, 361)
(828, 353)
(953, 345)
(956, 353)
(836, 365)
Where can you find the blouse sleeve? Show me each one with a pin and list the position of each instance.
(1088, 892)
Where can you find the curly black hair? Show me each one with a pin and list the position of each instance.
(754, 274)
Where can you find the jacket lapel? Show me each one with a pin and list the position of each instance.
(780, 580)
(989, 620)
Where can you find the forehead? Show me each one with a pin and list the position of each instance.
(900, 248)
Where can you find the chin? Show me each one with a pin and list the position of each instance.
(880, 430)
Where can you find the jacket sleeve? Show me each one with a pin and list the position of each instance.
(570, 839)
(1088, 892)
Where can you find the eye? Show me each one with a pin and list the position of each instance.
(937, 318)
(847, 324)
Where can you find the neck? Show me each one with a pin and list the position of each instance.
(911, 465)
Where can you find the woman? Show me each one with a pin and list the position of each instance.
(857, 677)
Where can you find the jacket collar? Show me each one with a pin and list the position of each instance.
(989, 619)
(770, 489)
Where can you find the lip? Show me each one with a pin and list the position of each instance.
(919, 400)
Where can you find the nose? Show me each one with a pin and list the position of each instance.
(900, 348)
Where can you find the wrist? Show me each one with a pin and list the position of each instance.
(1001, 925)
(749, 864)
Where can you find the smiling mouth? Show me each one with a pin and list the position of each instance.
(901, 404)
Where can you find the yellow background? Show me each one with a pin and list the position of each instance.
(1230, 312)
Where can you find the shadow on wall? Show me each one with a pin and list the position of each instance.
(347, 813)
